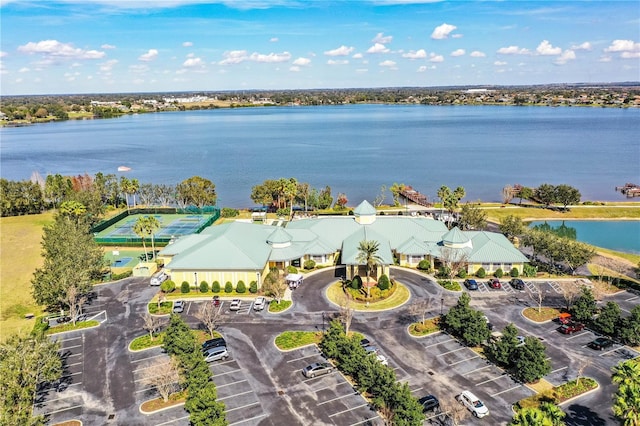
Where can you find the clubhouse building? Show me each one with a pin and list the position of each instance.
(236, 251)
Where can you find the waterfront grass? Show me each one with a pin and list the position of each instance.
(20, 239)
(609, 211)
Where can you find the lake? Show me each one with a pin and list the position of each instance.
(621, 236)
(355, 149)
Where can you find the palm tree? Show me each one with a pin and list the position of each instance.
(531, 417)
(368, 254)
(627, 374)
(140, 228)
(125, 187)
(151, 226)
(553, 413)
(134, 186)
(626, 404)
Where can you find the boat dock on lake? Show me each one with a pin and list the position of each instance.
(629, 189)
(415, 197)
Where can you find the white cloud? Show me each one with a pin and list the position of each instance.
(234, 57)
(583, 46)
(623, 46)
(513, 50)
(420, 54)
(108, 66)
(24, 69)
(422, 68)
(149, 56)
(107, 46)
(54, 49)
(381, 38)
(362, 70)
(139, 68)
(357, 56)
(387, 63)
(302, 61)
(191, 55)
(546, 49)
(442, 31)
(456, 35)
(567, 55)
(630, 55)
(340, 51)
(3, 54)
(605, 59)
(187, 44)
(193, 63)
(499, 63)
(274, 39)
(294, 68)
(477, 54)
(378, 48)
(458, 52)
(271, 57)
(436, 58)
(337, 62)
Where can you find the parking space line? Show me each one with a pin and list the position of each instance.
(506, 390)
(189, 307)
(62, 397)
(436, 344)
(349, 409)
(62, 409)
(246, 420)
(331, 387)
(632, 298)
(491, 380)
(234, 395)
(174, 420)
(71, 347)
(226, 372)
(227, 362)
(304, 357)
(78, 354)
(232, 383)
(364, 421)
(151, 357)
(244, 406)
(144, 390)
(468, 359)
(450, 352)
(74, 364)
(69, 339)
(608, 352)
(71, 374)
(578, 335)
(336, 398)
(477, 369)
(559, 369)
(416, 390)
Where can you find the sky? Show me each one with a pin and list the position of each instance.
(116, 46)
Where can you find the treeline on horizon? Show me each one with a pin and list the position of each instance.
(32, 108)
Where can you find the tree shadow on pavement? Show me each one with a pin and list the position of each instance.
(579, 415)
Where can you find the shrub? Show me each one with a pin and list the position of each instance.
(375, 293)
(481, 273)
(229, 212)
(253, 287)
(514, 272)
(444, 271)
(204, 286)
(462, 273)
(168, 286)
(424, 265)
(241, 287)
(309, 264)
(282, 212)
(215, 287)
(125, 274)
(292, 269)
(356, 282)
(529, 270)
(185, 287)
(228, 287)
(499, 273)
(383, 282)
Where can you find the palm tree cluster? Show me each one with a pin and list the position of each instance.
(626, 401)
(368, 254)
(146, 226)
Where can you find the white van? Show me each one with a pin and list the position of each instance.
(473, 404)
(158, 278)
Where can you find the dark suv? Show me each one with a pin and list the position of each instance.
(601, 343)
(429, 403)
(213, 343)
(517, 284)
(471, 284)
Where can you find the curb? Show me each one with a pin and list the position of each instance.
(532, 321)
(582, 394)
(367, 309)
(294, 349)
(282, 311)
(148, 413)
(421, 337)
(71, 331)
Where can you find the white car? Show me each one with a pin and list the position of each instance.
(259, 303)
(178, 306)
(473, 404)
(235, 305)
(382, 359)
(158, 279)
(216, 354)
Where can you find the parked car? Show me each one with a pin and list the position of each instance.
(521, 340)
(382, 359)
(571, 327)
(158, 278)
(365, 342)
(317, 369)
(601, 343)
(429, 403)
(216, 354)
(564, 318)
(371, 349)
(82, 317)
(216, 301)
(259, 303)
(213, 343)
(473, 404)
(517, 284)
(235, 305)
(471, 284)
(178, 306)
(63, 319)
(489, 325)
(494, 283)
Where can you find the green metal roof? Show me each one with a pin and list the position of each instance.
(493, 247)
(455, 237)
(364, 209)
(352, 242)
(413, 247)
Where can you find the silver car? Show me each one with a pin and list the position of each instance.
(216, 354)
(317, 369)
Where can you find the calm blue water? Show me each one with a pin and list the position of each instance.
(621, 236)
(354, 149)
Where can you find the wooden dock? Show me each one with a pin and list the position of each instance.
(629, 189)
(415, 197)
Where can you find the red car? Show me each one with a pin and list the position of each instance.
(494, 283)
(571, 327)
(216, 301)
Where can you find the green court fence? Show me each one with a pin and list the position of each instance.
(212, 211)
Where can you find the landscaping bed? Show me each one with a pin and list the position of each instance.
(157, 404)
(450, 285)
(71, 327)
(559, 394)
(164, 309)
(294, 339)
(429, 326)
(145, 342)
(545, 314)
(275, 307)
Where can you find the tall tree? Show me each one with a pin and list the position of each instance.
(585, 305)
(472, 217)
(25, 362)
(511, 226)
(125, 187)
(450, 199)
(626, 401)
(368, 254)
(141, 228)
(151, 225)
(71, 258)
(196, 191)
(546, 194)
(566, 195)
(164, 376)
(209, 315)
(530, 361)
